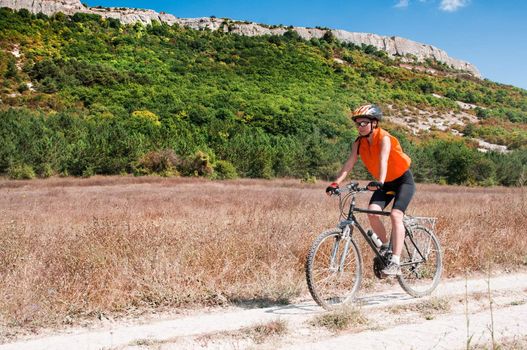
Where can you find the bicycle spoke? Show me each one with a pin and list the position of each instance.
(421, 262)
(333, 272)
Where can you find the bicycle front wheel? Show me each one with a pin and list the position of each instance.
(333, 269)
(421, 262)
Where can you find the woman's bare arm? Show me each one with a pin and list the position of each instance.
(385, 152)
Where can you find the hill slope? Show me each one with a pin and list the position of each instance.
(84, 94)
(394, 46)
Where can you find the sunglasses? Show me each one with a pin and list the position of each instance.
(362, 124)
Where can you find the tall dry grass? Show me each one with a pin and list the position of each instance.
(72, 248)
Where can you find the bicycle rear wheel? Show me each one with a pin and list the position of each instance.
(421, 262)
(333, 269)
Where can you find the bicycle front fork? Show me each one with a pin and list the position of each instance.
(336, 263)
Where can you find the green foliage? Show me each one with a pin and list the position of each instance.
(482, 113)
(20, 172)
(329, 37)
(453, 162)
(499, 133)
(292, 35)
(511, 168)
(57, 74)
(252, 153)
(11, 71)
(443, 160)
(22, 87)
(45, 170)
(309, 179)
(199, 164)
(160, 99)
(468, 130)
(146, 119)
(224, 170)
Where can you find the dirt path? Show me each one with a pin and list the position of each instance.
(395, 320)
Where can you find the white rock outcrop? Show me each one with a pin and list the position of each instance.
(394, 46)
(47, 7)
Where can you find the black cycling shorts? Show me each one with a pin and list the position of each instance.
(402, 189)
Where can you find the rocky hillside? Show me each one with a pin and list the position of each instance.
(394, 46)
(84, 94)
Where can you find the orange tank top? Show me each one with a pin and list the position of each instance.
(398, 161)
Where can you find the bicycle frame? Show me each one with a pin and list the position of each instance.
(351, 221)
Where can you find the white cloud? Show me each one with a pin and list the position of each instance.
(445, 5)
(402, 3)
(452, 5)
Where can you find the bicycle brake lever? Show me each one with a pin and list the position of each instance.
(353, 186)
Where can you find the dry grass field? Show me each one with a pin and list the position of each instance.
(78, 248)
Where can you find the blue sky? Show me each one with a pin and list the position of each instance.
(488, 33)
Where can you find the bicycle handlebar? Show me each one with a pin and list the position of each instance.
(352, 187)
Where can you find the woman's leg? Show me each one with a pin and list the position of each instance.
(379, 200)
(403, 196)
(376, 223)
(396, 217)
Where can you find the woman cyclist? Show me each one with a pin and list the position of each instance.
(385, 160)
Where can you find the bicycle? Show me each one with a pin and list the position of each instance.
(334, 263)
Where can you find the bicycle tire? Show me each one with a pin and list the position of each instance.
(338, 287)
(422, 277)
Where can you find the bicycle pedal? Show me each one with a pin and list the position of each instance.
(378, 266)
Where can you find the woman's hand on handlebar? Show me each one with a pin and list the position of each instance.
(374, 185)
(332, 189)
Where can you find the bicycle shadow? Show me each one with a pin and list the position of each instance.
(382, 298)
(305, 308)
(259, 303)
(272, 306)
(311, 307)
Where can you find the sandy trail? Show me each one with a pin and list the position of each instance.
(449, 332)
(214, 329)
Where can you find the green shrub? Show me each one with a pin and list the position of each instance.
(482, 113)
(21, 172)
(22, 87)
(88, 172)
(309, 179)
(224, 170)
(197, 165)
(45, 170)
(329, 37)
(12, 70)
